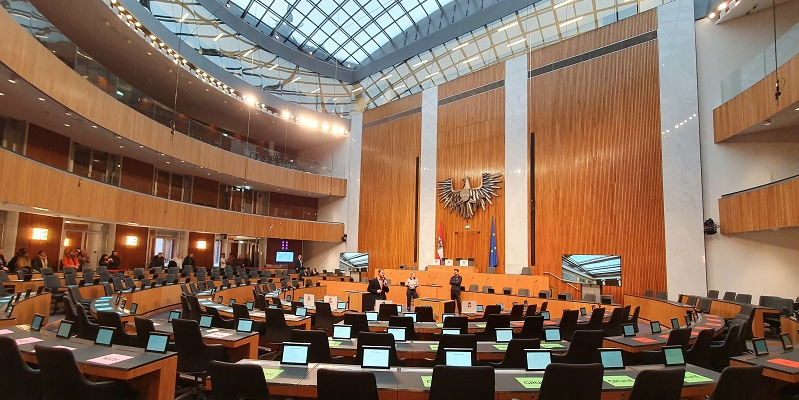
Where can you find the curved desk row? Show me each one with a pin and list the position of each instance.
(425, 349)
(23, 310)
(291, 320)
(148, 300)
(660, 310)
(729, 309)
(238, 345)
(654, 341)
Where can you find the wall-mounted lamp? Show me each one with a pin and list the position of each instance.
(39, 234)
(202, 245)
(67, 242)
(131, 241)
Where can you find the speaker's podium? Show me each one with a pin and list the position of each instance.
(440, 306)
(360, 301)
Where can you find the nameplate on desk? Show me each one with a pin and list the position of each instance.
(619, 380)
(645, 340)
(501, 347)
(272, 373)
(434, 347)
(427, 381)
(533, 382)
(691, 377)
(551, 346)
(784, 362)
(218, 335)
(109, 359)
(5, 331)
(27, 340)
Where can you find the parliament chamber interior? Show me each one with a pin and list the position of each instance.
(405, 199)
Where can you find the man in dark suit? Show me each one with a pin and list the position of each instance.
(40, 261)
(455, 288)
(378, 286)
(298, 264)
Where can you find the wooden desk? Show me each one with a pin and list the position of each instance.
(25, 309)
(301, 323)
(660, 310)
(441, 278)
(780, 371)
(238, 345)
(450, 269)
(642, 342)
(438, 305)
(791, 327)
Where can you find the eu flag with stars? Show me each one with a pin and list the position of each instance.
(493, 259)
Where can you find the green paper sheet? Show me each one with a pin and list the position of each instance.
(440, 325)
(434, 347)
(691, 377)
(272, 373)
(531, 382)
(619, 380)
(551, 346)
(481, 325)
(502, 347)
(334, 343)
(427, 381)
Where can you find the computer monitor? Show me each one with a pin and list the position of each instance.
(342, 332)
(458, 357)
(410, 314)
(545, 314)
(787, 343)
(445, 315)
(38, 321)
(295, 353)
(538, 360)
(673, 355)
(64, 328)
(134, 307)
(504, 335)
(375, 357)
(551, 334)
(250, 305)
(104, 336)
(399, 308)
(628, 330)
(480, 308)
(342, 305)
(371, 316)
(655, 327)
(173, 315)
(675, 323)
(157, 342)
(760, 346)
(583, 311)
(301, 311)
(398, 332)
(611, 358)
(244, 325)
(231, 302)
(451, 331)
(205, 321)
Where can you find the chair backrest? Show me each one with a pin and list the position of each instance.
(515, 355)
(144, 326)
(713, 294)
(18, 380)
(533, 327)
(558, 382)
(527, 271)
(658, 384)
(568, 324)
(138, 273)
(341, 384)
(491, 270)
(730, 296)
(192, 350)
(524, 292)
(358, 322)
(491, 309)
(738, 383)
(704, 303)
(744, 298)
(240, 311)
(276, 328)
(319, 351)
(407, 323)
(649, 293)
(377, 339)
(517, 312)
(662, 295)
(699, 353)
(52, 282)
(227, 381)
(613, 326)
(531, 310)
(462, 383)
(112, 319)
(691, 300)
(595, 322)
(386, 311)
(461, 323)
(680, 337)
(59, 371)
(584, 348)
(467, 341)
(4, 276)
(195, 308)
(474, 288)
(590, 297)
(86, 329)
(70, 279)
(424, 314)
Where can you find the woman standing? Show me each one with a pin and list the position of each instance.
(412, 283)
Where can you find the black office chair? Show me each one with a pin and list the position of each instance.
(738, 383)
(86, 329)
(613, 326)
(70, 315)
(720, 354)
(144, 327)
(18, 381)
(658, 384)
(340, 384)
(194, 356)
(185, 311)
(699, 353)
(424, 314)
(407, 323)
(568, 324)
(195, 307)
(240, 311)
(77, 298)
(62, 379)
(277, 331)
(494, 321)
(462, 383)
(594, 322)
(226, 382)
(461, 323)
(217, 321)
(52, 284)
(681, 337)
(490, 309)
(584, 348)
(71, 279)
(386, 311)
(531, 311)
(543, 307)
(559, 383)
(378, 339)
(453, 342)
(517, 312)
(713, 294)
(729, 296)
(515, 355)
(634, 318)
(533, 328)
(319, 349)
(120, 337)
(358, 322)
(324, 317)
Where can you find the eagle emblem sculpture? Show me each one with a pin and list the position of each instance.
(467, 200)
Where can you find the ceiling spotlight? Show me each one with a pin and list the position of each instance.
(722, 6)
(12, 81)
(41, 99)
(712, 15)
(767, 122)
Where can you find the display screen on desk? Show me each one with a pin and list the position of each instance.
(104, 336)
(36, 324)
(250, 305)
(284, 257)
(504, 334)
(295, 353)
(458, 357)
(410, 314)
(552, 335)
(787, 343)
(655, 327)
(342, 305)
(760, 346)
(398, 332)
(358, 262)
(628, 330)
(480, 308)
(371, 316)
(451, 331)
(592, 269)
(157, 342)
(173, 315)
(444, 316)
(342, 331)
(205, 321)
(244, 325)
(545, 315)
(583, 311)
(301, 311)
(64, 328)
(538, 360)
(673, 355)
(611, 358)
(375, 357)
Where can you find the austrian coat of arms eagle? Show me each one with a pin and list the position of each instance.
(467, 199)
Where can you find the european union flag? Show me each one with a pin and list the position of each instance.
(493, 259)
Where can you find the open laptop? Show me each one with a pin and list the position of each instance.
(376, 357)
(655, 327)
(398, 332)
(458, 357)
(157, 342)
(537, 359)
(38, 321)
(173, 315)
(611, 358)
(64, 328)
(295, 353)
(244, 325)
(552, 334)
(342, 332)
(760, 346)
(342, 305)
(673, 356)
(545, 314)
(787, 343)
(583, 312)
(410, 314)
(301, 312)
(371, 316)
(104, 336)
(205, 321)
(628, 330)
(504, 335)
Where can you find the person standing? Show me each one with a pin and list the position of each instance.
(377, 286)
(20, 261)
(189, 260)
(3, 263)
(455, 289)
(83, 258)
(412, 283)
(40, 261)
(113, 261)
(298, 264)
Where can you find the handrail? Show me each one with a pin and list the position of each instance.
(562, 281)
(761, 186)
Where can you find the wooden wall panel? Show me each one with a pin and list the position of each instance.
(137, 175)
(769, 207)
(74, 237)
(53, 243)
(132, 256)
(598, 170)
(34, 63)
(47, 147)
(606, 35)
(388, 192)
(471, 141)
(97, 201)
(205, 192)
(202, 257)
(474, 80)
(394, 107)
(299, 207)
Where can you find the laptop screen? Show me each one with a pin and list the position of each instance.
(250, 305)
(538, 360)
(375, 357)
(611, 358)
(371, 316)
(787, 343)
(583, 311)
(157, 342)
(458, 357)
(504, 334)
(760, 346)
(173, 315)
(244, 325)
(444, 316)
(342, 331)
(301, 311)
(545, 314)
(64, 328)
(673, 355)
(479, 308)
(450, 331)
(552, 335)
(205, 321)
(655, 327)
(675, 323)
(410, 314)
(399, 333)
(629, 330)
(36, 324)
(104, 336)
(134, 307)
(342, 305)
(295, 353)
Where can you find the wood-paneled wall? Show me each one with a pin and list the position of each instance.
(598, 170)
(68, 194)
(132, 256)
(394, 107)
(136, 175)
(387, 228)
(34, 63)
(202, 257)
(770, 207)
(47, 147)
(299, 207)
(471, 141)
(53, 243)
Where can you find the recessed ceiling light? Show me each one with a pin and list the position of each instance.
(67, 125)
(12, 81)
(94, 126)
(386, 77)
(471, 59)
(419, 63)
(2, 94)
(121, 147)
(141, 147)
(522, 40)
(40, 209)
(295, 79)
(41, 99)
(218, 36)
(433, 74)
(167, 162)
(561, 4)
(68, 114)
(510, 25)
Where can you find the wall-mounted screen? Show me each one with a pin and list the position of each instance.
(354, 262)
(284, 257)
(592, 269)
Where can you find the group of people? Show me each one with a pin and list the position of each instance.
(22, 260)
(302, 270)
(378, 287)
(159, 261)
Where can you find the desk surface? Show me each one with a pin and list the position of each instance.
(778, 364)
(421, 349)
(641, 342)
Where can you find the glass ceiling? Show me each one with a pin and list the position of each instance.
(347, 31)
(595, 266)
